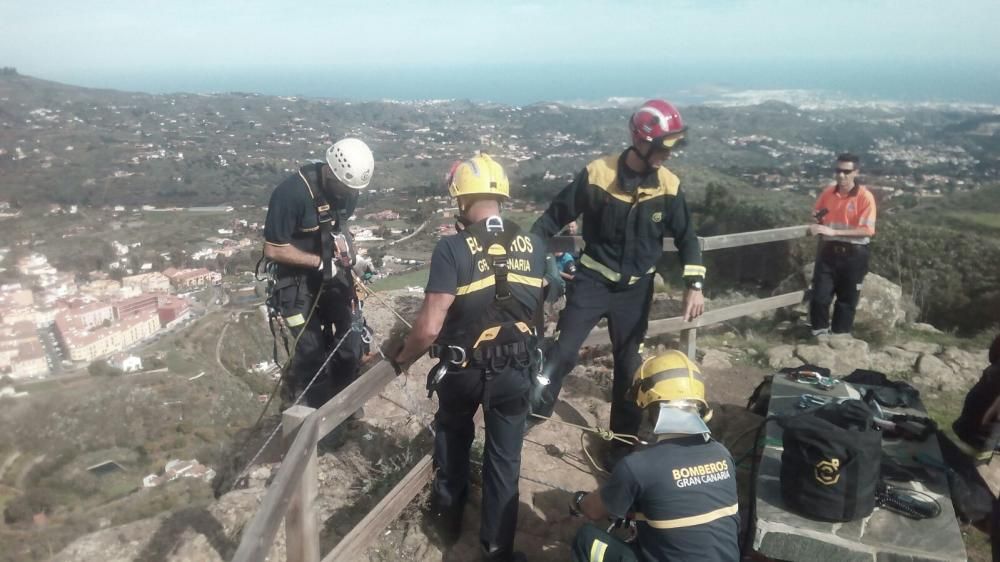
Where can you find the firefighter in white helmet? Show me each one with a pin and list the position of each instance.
(307, 240)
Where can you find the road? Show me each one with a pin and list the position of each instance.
(410, 235)
(53, 353)
(218, 348)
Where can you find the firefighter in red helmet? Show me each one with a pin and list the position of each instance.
(629, 203)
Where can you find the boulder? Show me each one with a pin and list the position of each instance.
(845, 343)
(922, 347)
(782, 356)
(962, 360)
(925, 327)
(934, 373)
(716, 359)
(848, 355)
(894, 360)
(882, 306)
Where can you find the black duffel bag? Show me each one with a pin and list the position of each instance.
(830, 463)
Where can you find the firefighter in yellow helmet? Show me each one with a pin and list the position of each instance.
(477, 319)
(680, 491)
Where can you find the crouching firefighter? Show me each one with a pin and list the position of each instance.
(311, 253)
(679, 493)
(477, 318)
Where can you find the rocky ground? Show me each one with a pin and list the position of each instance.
(363, 459)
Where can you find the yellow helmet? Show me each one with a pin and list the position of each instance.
(479, 175)
(671, 378)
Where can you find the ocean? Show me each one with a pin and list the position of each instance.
(684, 83)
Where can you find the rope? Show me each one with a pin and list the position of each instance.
(386, 305)
(270, 437)
(605, 434)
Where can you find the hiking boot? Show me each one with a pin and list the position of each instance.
(446, 520)
(493, 553)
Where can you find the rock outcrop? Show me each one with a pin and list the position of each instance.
(929, 365)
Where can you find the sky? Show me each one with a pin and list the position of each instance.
(107, 42)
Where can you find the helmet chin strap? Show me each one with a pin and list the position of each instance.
(644, 157)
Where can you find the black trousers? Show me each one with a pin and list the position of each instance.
(627, 310)
(592, 544)
(840, 270)
(332, 320)
(460, 394)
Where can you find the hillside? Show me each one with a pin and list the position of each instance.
(362, 460)
(74, 145)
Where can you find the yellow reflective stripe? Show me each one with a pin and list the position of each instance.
(496, 250)
(313, 229)
(524, 280)
(295, 320)
(607, 272)
(599, 267)
(690, 521)
(694, 270)
(475, 286)
(488, 334)
(597, 550)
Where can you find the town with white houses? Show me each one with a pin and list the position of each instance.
(65, 321)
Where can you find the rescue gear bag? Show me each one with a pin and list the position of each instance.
(830, 463)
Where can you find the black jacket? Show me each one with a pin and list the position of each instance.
(624, 231)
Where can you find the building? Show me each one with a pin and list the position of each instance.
(21, 352)
(179, 469)
(103, 289)
(172, 310)
(189, 279)
(88, 333)
(135, 305)
(148, 282)
(125, 363)
(35, 265)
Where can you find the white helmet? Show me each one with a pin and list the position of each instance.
(352, 162)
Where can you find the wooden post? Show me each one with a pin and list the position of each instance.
(301, 524)
(688, 343)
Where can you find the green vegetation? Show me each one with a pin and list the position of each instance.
(989, 221)
(416, 278)
(139, 421)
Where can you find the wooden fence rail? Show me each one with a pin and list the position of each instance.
(291, 495)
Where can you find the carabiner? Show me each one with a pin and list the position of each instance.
(461, 351)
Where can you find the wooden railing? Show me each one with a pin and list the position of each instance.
(292, 494)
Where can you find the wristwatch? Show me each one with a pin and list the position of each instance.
(574, 506)
(695, 285)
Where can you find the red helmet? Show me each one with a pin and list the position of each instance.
(658, 122)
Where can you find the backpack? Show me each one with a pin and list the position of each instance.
(831, 462)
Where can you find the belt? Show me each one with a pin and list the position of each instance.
(457, 355)
(839, 247)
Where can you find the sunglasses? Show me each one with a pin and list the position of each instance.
(675, 142)
(838, 171)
